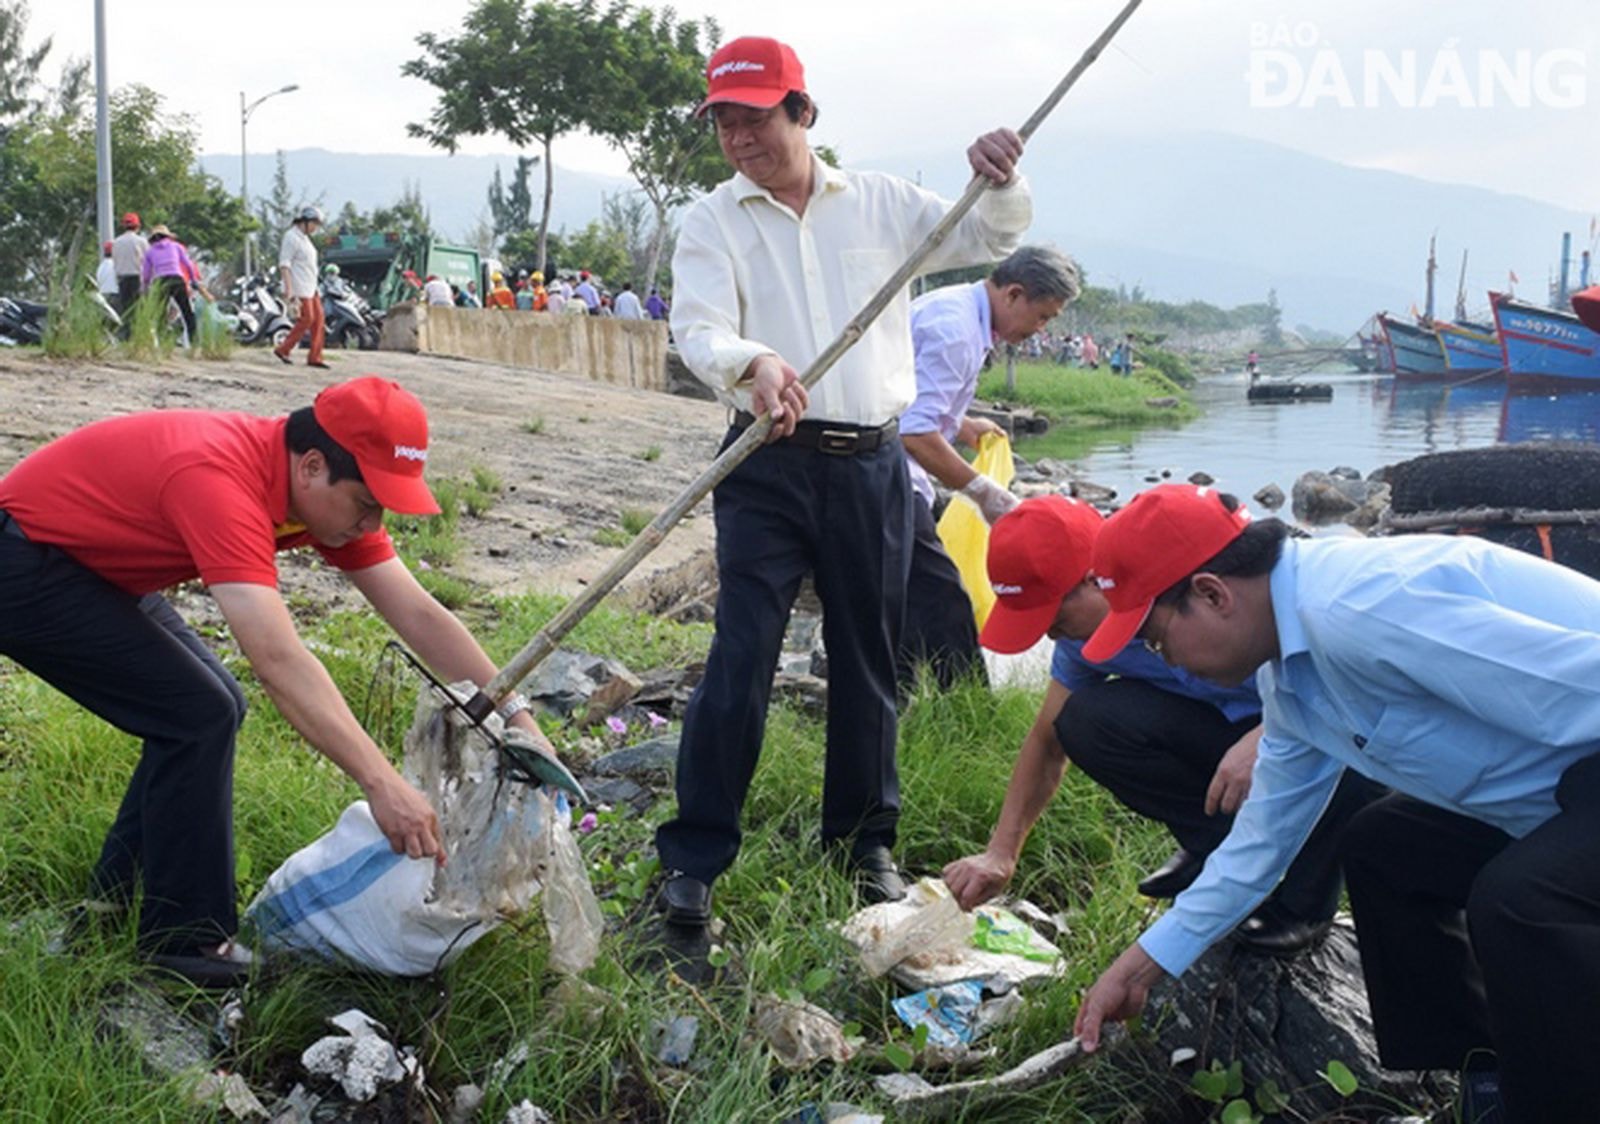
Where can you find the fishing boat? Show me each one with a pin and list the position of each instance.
(1416, 349)
(1470, 350)
(1545, 348)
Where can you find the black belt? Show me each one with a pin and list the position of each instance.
(840, 439)
(8, 526)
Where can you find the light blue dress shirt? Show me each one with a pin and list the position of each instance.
(950, 333)
(1072, 671)
(1459, 672)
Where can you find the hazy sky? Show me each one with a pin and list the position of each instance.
(1469, 91)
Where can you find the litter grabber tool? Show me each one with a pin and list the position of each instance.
(544, 642)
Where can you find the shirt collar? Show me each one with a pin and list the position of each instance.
(1285, 591)
(824, 178)
(278, 473)
(980, 298)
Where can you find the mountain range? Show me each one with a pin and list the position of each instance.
(1210, 216)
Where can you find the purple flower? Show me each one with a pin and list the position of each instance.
(656, 721)
(616, 725)
(589, 822)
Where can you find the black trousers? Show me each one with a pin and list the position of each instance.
(127, 292)
(1471, 939)
(1156, 752)
(133, 662)
(941, 633)
(176, 289)
(784, 512)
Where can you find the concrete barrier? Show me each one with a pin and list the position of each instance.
(619, 352)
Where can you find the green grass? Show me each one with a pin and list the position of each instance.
(1074, 396)
(534, 425)
(79, 331)
(61, 778)
(653, 453)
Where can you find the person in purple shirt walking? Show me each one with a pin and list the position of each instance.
(952, 330)
(1168, 745)
(654, 306)
(167, 269)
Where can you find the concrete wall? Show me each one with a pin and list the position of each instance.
(619, 352)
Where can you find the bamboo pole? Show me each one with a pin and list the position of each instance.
(547, 638)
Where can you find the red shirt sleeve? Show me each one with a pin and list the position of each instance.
(226, 529)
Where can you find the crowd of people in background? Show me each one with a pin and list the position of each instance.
(134, 264)
(581, 293)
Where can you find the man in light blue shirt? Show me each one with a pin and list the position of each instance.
(952, 329)
(1168, 745)
(1464, 675)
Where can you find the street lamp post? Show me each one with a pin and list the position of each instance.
(244, 166)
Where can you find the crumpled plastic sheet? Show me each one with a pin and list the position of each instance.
(800, 1034)
(925, 940)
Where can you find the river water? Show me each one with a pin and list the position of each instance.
(1371, 421)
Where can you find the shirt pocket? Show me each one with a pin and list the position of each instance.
(1428, 757)
(864, 272)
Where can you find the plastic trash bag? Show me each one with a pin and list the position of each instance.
(965, 534)
(347, 896)
(950, 1012)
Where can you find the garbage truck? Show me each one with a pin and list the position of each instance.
(377, 264)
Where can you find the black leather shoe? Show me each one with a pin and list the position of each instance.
(876, 875)
(1272, 932)
(686, 901)
(1172, 877)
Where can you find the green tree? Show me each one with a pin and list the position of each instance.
(511, 209)
(655, 79)
(48, 199)
(529, 73)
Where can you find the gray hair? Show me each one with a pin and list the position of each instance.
(1043, 273)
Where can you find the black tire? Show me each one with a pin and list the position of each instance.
(349, 336)
(369, 338)
(1545, 476)
(279, 335)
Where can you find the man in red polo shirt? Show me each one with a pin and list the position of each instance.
(95, 525)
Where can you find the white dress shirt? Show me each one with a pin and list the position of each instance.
(300, 256)
(752, 278)
(950, 334)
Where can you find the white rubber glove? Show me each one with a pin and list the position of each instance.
(989, 497)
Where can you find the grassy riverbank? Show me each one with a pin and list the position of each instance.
(62, 773)
(1086, 407)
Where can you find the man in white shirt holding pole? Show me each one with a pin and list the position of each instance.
(769, 268)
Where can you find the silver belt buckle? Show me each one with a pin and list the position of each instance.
(838, 442)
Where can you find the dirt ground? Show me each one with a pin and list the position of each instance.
(571, 479)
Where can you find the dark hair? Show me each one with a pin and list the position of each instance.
(1043, 273)
(794, 104)
(1254, 553)
(304, 433)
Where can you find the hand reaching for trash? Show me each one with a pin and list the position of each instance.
(977, 878)
(406, 818)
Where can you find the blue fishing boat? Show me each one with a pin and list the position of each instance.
(1470, 350)
(1417, 350)
(1545, 348)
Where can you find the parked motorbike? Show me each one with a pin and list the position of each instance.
(21, 322)
(260, 315)
(350, 320)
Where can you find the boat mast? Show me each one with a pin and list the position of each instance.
(1433, 267)
(1461, 291)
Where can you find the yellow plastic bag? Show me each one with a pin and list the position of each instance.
(965, 534)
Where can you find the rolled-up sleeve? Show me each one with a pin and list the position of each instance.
(1289, 789)
(988, 232)
(706, 310)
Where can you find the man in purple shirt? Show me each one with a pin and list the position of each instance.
(951, 331)
(1167, 744)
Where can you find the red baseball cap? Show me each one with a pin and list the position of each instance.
(130, 220)
(1038, 552)
(1587, 305)
(752, 71)
(385, 428)
(1162, 536)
